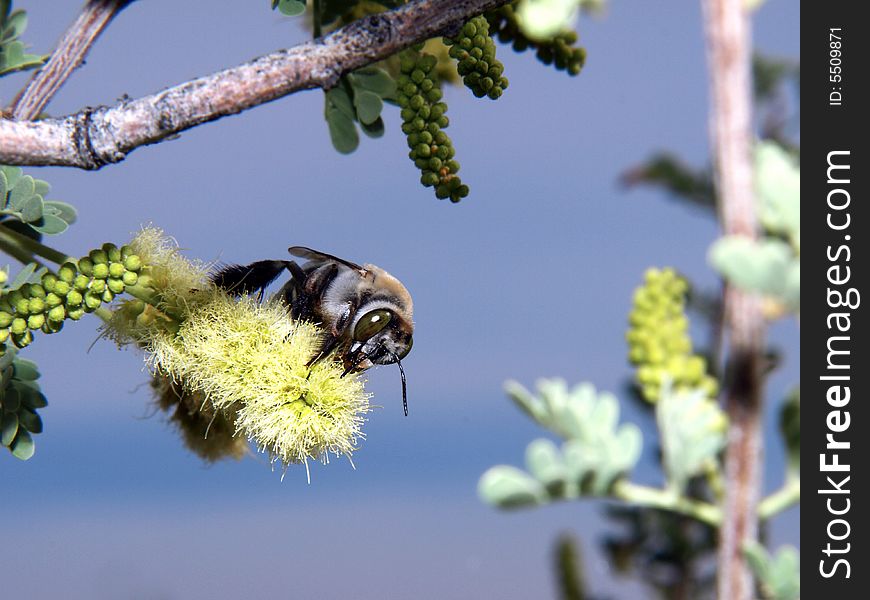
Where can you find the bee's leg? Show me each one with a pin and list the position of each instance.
(330, 344)
(239, 280)
(335, 335)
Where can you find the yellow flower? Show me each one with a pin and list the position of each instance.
(244, 357)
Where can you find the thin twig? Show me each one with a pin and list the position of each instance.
(728, 46)
(783, 498)
(667, 500)
(67, 57)
(11, 239)
(93, 138)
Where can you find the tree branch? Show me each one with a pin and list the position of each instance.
(67, 57)
(96, 137)
(728, 45)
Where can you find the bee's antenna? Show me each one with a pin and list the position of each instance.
(404, 384)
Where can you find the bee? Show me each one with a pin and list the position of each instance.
(366, 312)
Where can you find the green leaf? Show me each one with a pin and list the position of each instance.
(11, 399)
(4, 188)
(7, 359)
(6, 375)
(767, 267)
(14, 58)
(22, 277)
(368, 106)
(778, 576)
(15, 25)
(693, 433)
(784, 581)
(62, 210)
(373, 130)
(22, 446)
(30, 395)
(12, 175)
(22, 192)
(8, 427)
(25, 369)
(338, 98)
(342, 131)
(544, 461)
(290, 8)
(32, 210)
(29, 420)
(777, 184)
(41, 187)
(597, 450)
(374, 80)
(509, 487)
(50, 225)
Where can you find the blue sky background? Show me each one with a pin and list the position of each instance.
(530, 276)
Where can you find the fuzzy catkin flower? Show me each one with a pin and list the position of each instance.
(658, 338)
(244, 357)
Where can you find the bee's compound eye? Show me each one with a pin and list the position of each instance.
(403, 353)
(371, 323)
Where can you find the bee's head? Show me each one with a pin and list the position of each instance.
(380, 337)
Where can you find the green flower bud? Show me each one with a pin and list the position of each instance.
(52, 300)
(62, 288)
(18, 326)
(116, 270)
(5, 319)
(4, 335)
(48, 281)
(93, 301)
(130, 278)
(81, 282)
(22, 306)
(98, 286)
(86, 266)
(99, 257)
(36, 306)
(108, 296)
(76, 313)
(37, 291)
(429, 179)
(56, 314)
(101, 270)
(67, 272)
(35, 321)
(116, 286)
(74, 298)
(113, 253)
(132, 262)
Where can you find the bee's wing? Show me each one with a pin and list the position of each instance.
(315, 256)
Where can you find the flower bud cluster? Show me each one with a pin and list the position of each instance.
(658, 338)
(474, 50)
(423, 120)
(77, 288)
(558, 51)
